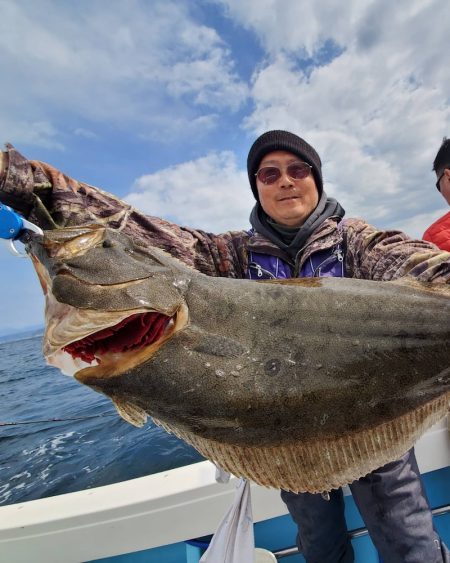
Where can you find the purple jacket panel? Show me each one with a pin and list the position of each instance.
(266, 266)
(325, 263)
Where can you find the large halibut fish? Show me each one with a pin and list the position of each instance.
(303, 384)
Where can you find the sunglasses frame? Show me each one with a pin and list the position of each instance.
(307, 167)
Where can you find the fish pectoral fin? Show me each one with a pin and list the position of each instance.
(129, 412)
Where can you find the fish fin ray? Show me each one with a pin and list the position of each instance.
(130, 412)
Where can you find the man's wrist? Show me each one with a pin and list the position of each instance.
(3, 165)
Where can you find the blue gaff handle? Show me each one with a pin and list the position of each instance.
(10, 223)
(11, 226)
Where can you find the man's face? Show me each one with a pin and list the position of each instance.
(287, 201)
(444, 185)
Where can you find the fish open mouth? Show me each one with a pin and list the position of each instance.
(120, 343)
(118, 347)
(115, 347)
(130, 334)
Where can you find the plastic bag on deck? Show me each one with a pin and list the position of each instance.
(234, 541)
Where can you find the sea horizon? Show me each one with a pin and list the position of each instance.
(7, 334)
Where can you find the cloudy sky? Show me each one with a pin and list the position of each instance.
(159, 102)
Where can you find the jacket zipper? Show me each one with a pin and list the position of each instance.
(337, 255)
(261, 271)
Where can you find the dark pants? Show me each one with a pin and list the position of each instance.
(394, 507)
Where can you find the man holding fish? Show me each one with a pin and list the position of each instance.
(297, 232)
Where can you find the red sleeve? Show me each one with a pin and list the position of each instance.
(439, 233)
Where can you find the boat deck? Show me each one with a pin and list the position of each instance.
(149, 519)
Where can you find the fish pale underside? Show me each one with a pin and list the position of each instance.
(304, 385)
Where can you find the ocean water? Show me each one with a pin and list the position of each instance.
(45, 457)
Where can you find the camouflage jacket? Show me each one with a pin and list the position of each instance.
(51, 199)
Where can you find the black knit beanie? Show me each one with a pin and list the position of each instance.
(282, 141)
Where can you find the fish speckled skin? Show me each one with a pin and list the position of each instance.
(263, 369)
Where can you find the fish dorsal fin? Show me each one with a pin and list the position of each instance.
(436, 288)
(129, 412)
(439, 288)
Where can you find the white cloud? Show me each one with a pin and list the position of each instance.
(85, 133)
(176, 126)
(296, 26)
(209, 193)
(36, 132)
(127, 64)
(416, 226)
(376, 108)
